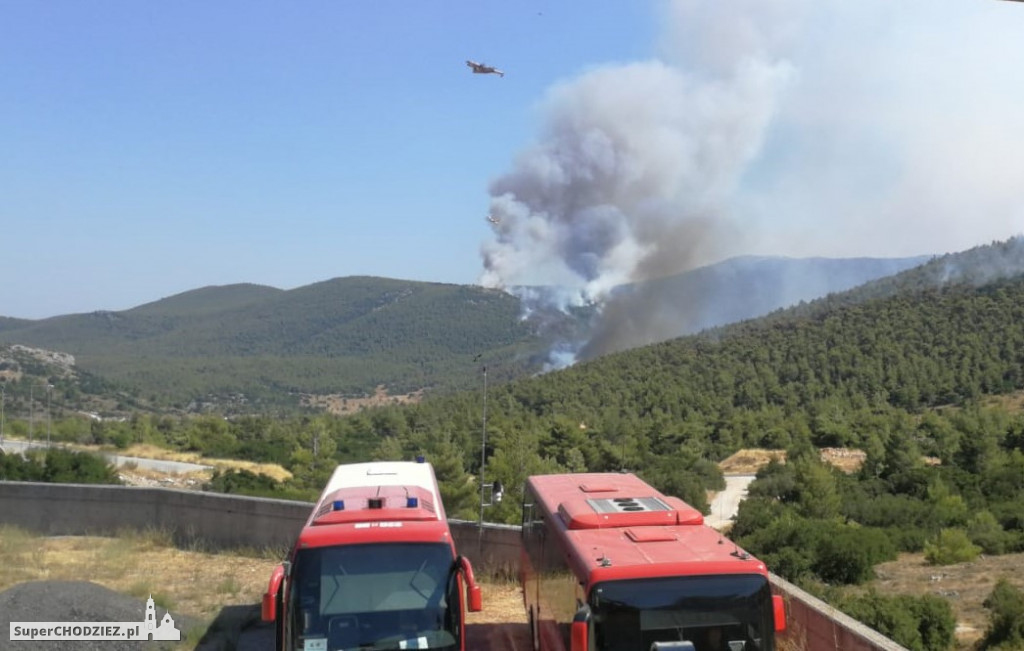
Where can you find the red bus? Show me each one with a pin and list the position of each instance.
(374, 567)
(608, 563)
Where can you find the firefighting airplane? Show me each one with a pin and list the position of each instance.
(483, 69)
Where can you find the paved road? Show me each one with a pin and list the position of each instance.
(158, 465)
(726, 503)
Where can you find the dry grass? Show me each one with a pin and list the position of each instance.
(340, 404)
(189, 582)
(134, 476)
(503, 604)
(1013, 402)
(848, 460)
(964, 585)
(749, 461)
(146, 451)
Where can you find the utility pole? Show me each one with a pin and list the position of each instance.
(3, 400)
(49, 390)
(483, 454)
(31, 411)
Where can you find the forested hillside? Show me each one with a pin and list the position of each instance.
(251, 348)
(345, 336)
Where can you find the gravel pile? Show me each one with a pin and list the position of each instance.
(77, 601)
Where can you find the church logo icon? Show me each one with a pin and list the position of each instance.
(166, 629)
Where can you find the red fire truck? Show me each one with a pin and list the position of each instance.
(374, 567)
(610, 564)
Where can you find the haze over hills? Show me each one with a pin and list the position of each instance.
(350, 335)
(734, 290)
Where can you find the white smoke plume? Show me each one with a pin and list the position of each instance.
(631, 175)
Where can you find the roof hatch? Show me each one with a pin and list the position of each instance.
(608, 512)
(627, 504)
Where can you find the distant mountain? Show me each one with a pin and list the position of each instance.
(355, 316)
(208, 300)
(346, 336)
(9, 323)
(255, 345)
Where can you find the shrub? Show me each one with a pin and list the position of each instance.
(1006, 617)
(924, 623)
(58, 465)
(985, 532)
(951, 546)
(935, 620)
(848, 554)
(907, 539)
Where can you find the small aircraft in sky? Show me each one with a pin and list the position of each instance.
(493, 219)
(484, 69)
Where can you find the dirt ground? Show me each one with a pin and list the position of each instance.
(964, 585)
(749, 461)
(341, 405)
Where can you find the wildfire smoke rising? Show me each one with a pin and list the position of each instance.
(630, 180)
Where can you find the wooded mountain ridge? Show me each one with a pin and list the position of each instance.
(262, 346)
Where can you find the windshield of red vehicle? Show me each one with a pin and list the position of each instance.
(716, 613)
(379, 596)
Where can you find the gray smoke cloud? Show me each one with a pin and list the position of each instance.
(631, 175)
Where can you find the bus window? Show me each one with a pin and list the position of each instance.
(715, 613)
(364, 595)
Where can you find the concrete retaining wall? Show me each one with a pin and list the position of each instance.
(215, 520)
(492, 549)
(229, 521)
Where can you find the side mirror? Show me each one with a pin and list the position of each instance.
(779, 612)
(474, 599)
(268, 611)
(580, 632)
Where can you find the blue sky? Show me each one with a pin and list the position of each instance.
(151, 148)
